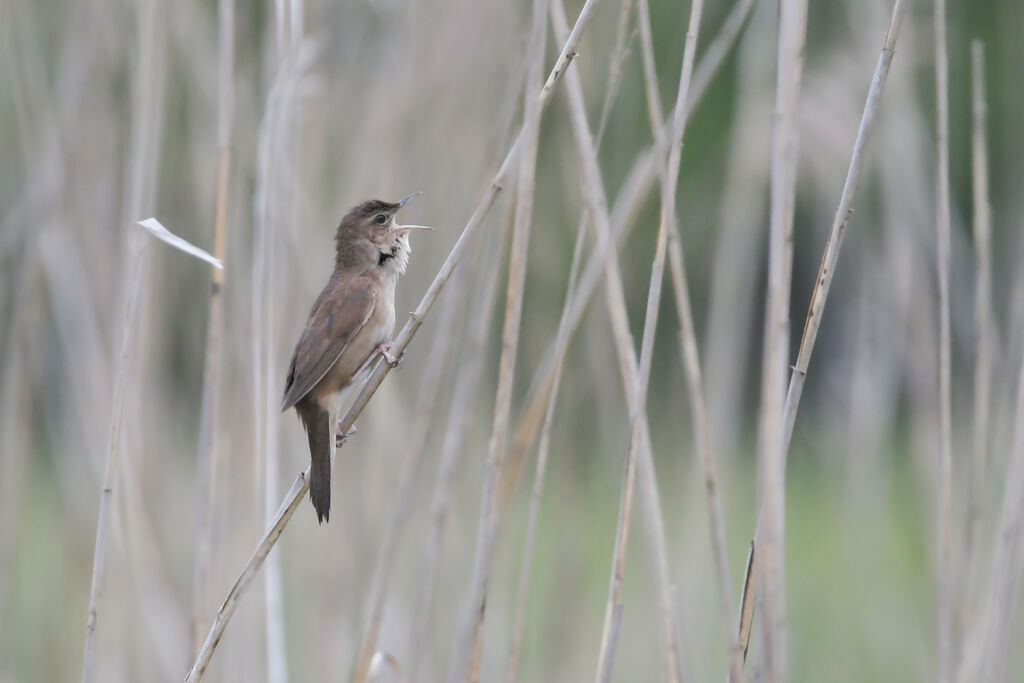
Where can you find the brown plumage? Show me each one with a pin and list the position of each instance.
(351, 321)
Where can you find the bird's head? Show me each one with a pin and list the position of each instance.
(369, 236)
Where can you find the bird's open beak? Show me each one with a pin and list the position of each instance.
(403, 229)
(403, 200)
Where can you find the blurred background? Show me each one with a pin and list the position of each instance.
(109, 115)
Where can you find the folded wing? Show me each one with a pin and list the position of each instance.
(338, 315)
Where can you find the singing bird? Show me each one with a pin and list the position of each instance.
(350, 325)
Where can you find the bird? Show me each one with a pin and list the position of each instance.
(349, 326)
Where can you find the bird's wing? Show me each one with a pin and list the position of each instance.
(339, 313)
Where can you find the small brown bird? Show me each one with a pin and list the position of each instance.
(350, 324)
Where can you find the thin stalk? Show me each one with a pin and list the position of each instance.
(702, 445)
(596, 201)
(436, 369)
(983, 343)
(688, 339)
(718, 49)
(619, 53)
(128, 325)
(746, 615)
(734, 282)
(462, 399)
(465, 663)
(537, 490)
(830, 258)
(1008, 560)
(561, 344)
(785, 143)
(634, 190)
(942, 227)
(408, 331)
(205, 464)
(144, 161)
(530, 421)
(274, 200)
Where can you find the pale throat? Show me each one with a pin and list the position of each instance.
(396, 259)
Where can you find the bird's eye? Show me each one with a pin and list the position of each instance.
(380, 219)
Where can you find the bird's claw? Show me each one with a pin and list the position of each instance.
(339, 438)
(384, 350)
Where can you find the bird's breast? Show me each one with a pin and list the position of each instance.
(377, 330)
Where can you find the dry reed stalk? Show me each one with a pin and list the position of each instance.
(942, 227)
(462, 399)
(632, 194)
(543, 378)
(131, 311)
(19, 248)
(983, 345)
(669, 180)
(1008, 560)
(688, 339)
(735, 283)
(14, 411)
(785, 142)
(147, 91)
(466, 657)
(745, 618)
(437, 362)
(260, 338)
(160, 615)
(654, 112)
(274, 209)
(133, 280)
(543, 448)
(718, 49)
(619, 53)
(830, 258)
(593, 191)
(301, 484)
(205, 464)
(702, 445)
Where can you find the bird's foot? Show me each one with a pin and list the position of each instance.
(385, 351)
(339, 439)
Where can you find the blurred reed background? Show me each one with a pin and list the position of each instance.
(114, 111)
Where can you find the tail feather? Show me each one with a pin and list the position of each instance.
(317, 422)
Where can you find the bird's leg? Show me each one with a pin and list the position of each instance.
(385, 349)
(339, 439)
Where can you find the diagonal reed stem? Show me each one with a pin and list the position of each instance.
(823, 284)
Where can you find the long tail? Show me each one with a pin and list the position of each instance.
(317, 422)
